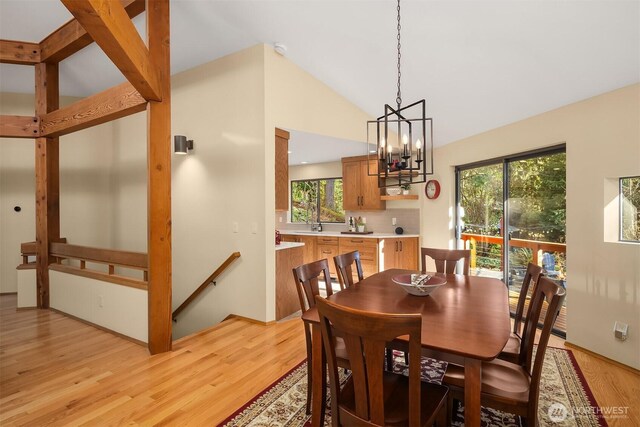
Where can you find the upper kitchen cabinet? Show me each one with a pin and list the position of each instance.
(282, 170)
(361, 191)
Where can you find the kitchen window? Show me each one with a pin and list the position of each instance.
(630, 209)
(317, 200)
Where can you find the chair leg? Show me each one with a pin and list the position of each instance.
(389, 356)
(449, 409)
(309, 375)
(406, 358)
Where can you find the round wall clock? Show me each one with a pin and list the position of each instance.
(432, 189)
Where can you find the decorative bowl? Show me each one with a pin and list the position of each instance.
(394, 191)
(421, 290)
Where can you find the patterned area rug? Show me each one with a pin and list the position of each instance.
(565, 398)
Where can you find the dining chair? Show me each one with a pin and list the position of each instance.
(511, 387)
(372, 396)
(344, 266)
(511, 351)
(446, 259)
(306, 278)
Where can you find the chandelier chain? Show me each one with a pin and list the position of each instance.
(399, 95)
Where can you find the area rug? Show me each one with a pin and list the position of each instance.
(565, 398)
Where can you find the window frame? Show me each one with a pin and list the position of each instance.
(317, 219)
(621, 198)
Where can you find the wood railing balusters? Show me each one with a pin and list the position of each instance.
(205, 284)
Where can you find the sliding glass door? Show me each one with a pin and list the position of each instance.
(511, 212)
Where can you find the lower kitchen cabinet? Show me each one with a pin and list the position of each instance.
(368, 249)
(399, 253)
(375, 254)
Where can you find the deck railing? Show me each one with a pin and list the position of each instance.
(537, 248)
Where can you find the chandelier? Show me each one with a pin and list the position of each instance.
(404, 145)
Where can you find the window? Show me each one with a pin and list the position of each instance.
(317, 200)
(630, 209)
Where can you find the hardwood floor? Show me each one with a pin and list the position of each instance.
(57, 371)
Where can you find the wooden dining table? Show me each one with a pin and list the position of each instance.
(465, 321)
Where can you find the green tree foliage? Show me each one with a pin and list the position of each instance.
(630, 208)
(317, 201)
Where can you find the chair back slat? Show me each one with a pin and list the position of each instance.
(306, 278)
(546, 292)
(344, 266)
(366, 334)
(446, 259)
(532, 275)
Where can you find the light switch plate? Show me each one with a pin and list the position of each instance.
(234, 227)
(621, 330)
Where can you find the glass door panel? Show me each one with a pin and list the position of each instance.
(536, 209)
(480, 212)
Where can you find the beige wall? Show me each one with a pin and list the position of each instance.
(602, 136)
(85, 192)
(294, 99)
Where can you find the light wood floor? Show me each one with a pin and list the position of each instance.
(57, 371)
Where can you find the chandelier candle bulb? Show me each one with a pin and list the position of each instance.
(405, 141)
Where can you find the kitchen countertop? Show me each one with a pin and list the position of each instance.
(288, 245)
(374, 235)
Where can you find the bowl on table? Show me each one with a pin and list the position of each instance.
(419, 284)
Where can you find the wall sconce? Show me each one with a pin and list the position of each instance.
(181, 144)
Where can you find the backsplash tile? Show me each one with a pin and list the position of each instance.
(377, 221)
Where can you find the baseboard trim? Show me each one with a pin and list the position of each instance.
(102, 328)
(248, 319)
(601, 357)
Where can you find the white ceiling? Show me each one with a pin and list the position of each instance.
(480, 64)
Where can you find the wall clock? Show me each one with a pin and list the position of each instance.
(432, 189)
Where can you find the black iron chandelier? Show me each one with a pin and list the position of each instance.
(404, 145)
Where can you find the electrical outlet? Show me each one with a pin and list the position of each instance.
(254, 227)
(280, 219)
(100, 301)
(393, 221)
(234, 227)
(620, 330)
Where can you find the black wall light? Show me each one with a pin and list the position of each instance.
(181, 145)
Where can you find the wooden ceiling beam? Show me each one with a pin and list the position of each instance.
(72, 37)
(109, 26)
(19, 127)
(17, 52)
(111, 104)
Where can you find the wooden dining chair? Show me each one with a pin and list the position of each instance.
(511, 387)
(511, 351)
(344, 266)
(372, 396)
(446, 259)
(306, 278)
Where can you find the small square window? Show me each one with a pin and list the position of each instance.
(630, 209)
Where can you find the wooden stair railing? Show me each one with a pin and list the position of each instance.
(202, 287)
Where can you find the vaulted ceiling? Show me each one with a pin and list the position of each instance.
(480, 64)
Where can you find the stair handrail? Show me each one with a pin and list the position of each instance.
(207, 282)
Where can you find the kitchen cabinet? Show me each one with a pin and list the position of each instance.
(399, 253)
(309, 248)
(328, 247)
(282, 170)
(368, 249)
(360, 191)
(287, 301)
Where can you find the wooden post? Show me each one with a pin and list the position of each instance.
(159, 181)
(47, 180)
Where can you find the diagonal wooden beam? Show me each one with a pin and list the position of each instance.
(17, 52)
(108, 24)
(72, 37)
(112, 104)
(19, 127)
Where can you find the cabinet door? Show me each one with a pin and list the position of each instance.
(388, 253)
(368, 249)
(369, 190)
(351, 185)
(282, 170)
(309, 248)
(289, 238)
(328, 251)
(407, 255)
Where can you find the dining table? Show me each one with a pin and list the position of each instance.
(465, 321)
